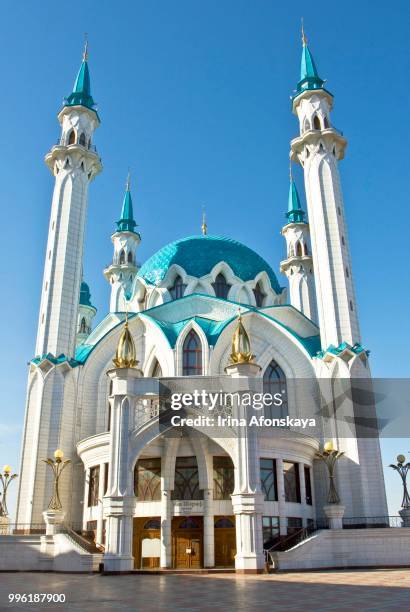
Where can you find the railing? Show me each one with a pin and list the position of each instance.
(60, 143)
(371, 522)
(11, 529)
(83, 542)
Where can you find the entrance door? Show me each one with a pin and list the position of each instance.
(225, 541)
(147, 543)
(187, 542)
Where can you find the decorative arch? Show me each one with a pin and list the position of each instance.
(121, 257)
(192, 359)
(221, 286)
(82, 139)
(179, 347)
(71, 137)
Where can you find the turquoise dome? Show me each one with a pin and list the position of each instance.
(85, 295)
(197, 255)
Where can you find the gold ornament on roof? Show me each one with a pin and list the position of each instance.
(241, 345)
(304, 39)
(125, 357)
(204, 226)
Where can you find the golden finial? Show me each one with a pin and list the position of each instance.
(128, 183)
(304, 39)
(241, 345)
(85, 53)
(204, 226)
(125, 356)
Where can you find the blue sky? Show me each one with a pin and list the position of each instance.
(194, 97)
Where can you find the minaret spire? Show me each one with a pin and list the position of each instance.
(309, 76)
(121, 273)
(81, 94)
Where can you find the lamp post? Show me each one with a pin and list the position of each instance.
(5, 480)
(334, 510)
(402, 469)
(57, 465)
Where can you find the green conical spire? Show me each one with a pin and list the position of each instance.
(295, 213)
(127, 223)
(309, 77)
(81, 94)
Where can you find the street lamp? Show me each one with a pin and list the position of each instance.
(5, 480)
(402, 468)
(57, 465)
(330, 456)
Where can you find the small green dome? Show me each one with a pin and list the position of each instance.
(85, 295)
(197, 255)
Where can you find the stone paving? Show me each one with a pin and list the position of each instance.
(361, 590)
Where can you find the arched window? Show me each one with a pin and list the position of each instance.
(326, 122)
(259, 294)
(152, 524)
(223, 477)
(316, 122)
(156, 370)
(221, 287)
(122, 257)
(305, 249)
(81, 140)
(147, 479)
(129, 257)
(224, 523)
(186, 484)
(71, 137)
(298, 249)
(306, 125)
(178, 288)
(192, 355)
(274, 382)
(83, 326)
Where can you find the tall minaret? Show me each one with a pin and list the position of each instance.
(121, 273)
(74, 163)
(318, 149)
(298, 265)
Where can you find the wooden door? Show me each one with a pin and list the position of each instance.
(146, 529)
(187, 540)
(225, 541)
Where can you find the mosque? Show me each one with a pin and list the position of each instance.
(204, 313)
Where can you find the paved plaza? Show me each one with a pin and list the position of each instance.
(332, 590)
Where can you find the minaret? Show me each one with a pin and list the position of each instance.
(86, 314)
(298, 265)
(121, 273)
(74, 163)
(318, 149)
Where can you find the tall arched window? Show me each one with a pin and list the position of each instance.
(274, 382)
(83, 326)
(221, 287)
(316, 122)
(129, 258)
(81, 140)
(192, 355)
(298, 249)
(71, 137)
(186, 483)
(259, 294)
(178, 288)
(122, 257)
(326, 122)
(305, 249)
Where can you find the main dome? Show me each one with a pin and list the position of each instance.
(197, 255)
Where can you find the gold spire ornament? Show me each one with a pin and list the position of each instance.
(204, 226)
(125, 357)
(241, 345)
(128, 182)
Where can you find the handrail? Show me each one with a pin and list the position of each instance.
(80, 540)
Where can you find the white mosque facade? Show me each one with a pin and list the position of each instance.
(154, 496)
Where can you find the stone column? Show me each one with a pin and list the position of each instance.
(283, 526)
(119, 501)
(247, 498)
(209, 535)
(166, 529)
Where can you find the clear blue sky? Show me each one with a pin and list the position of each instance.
(194, 96)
